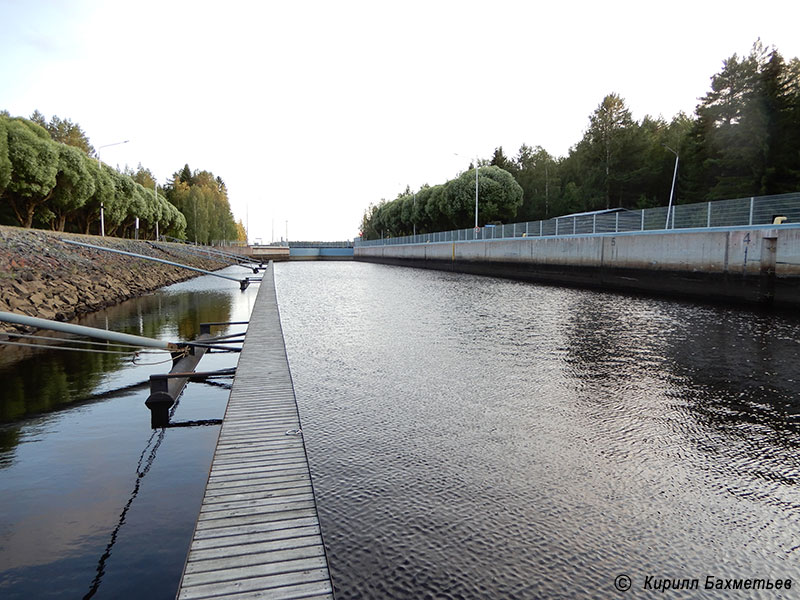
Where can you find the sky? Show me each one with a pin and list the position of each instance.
(311, 110)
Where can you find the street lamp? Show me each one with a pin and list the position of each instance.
(155, 197)
(97, 151)
(476, 192)
(672, 190)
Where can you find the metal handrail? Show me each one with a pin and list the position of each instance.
(756, 210)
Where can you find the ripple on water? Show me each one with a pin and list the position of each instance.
(478, 438)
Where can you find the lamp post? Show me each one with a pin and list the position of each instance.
(102, 221)
(672, 190)
(155, 197)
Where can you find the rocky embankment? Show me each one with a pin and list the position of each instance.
(42, 276)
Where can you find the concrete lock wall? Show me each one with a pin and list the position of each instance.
(747, 264)
(321, 253)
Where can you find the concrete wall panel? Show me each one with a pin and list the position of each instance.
(723, 263)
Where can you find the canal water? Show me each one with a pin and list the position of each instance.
(468, 437)
(93, 503)
(471, 437)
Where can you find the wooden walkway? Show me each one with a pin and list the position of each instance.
(258, 534)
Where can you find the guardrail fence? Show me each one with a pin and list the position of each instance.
(760, 210)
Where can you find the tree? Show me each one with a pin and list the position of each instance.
(367, 227)
(143, 176)
(407, 211)
(500, 160)
(781, 85)
(378, 222)
(438, 220)
(185, 175)
(39, 119)
(5, 161)
(457, 202)
(789, 172)
(74, 185)
(730, 143)
(117, 208)
(89, 214)
(743, 140)
(391, 219)
(48, 179)
(419, 214)
(608, 126)
(241, 232)
(500, 196)
(64, 131)
(69, 133)
(202, 197)
(537, 173)
(34, 165)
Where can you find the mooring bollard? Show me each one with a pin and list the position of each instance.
(165, 389)
(159, 404)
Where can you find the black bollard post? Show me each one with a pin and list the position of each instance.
(159, 404)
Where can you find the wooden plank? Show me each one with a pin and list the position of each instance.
(257, 534)
(250, 538)
(220, 533)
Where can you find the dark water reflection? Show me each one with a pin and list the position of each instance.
(480, 438)
(80, 467)
(43, 382)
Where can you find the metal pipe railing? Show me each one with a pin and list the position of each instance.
(90, 332)
(210, 254)
(242, 282)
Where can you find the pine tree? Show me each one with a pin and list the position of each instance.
(732, 138)
(499, 159)
(185, 175)
(609, 126)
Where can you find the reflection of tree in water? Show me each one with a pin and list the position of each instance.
(737, 374)
(201, 308)
(612, 337)
(724, 379)
(9, 438)
(45, 381)
(153, 315)
(51, 380)
(723, 354)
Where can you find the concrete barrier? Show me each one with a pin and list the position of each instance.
(745, 264)
(321, 253)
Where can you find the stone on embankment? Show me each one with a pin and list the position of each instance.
(42, 276)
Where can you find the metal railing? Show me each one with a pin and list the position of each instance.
(757, 210)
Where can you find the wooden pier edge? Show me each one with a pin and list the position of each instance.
(258, 534)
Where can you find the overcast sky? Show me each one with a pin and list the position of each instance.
(310, 111)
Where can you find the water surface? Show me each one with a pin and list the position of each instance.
(471, 437)
(94, 503)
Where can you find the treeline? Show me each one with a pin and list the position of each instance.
(743, 140)
(203, 199)
(50, 177)
(447, 206)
